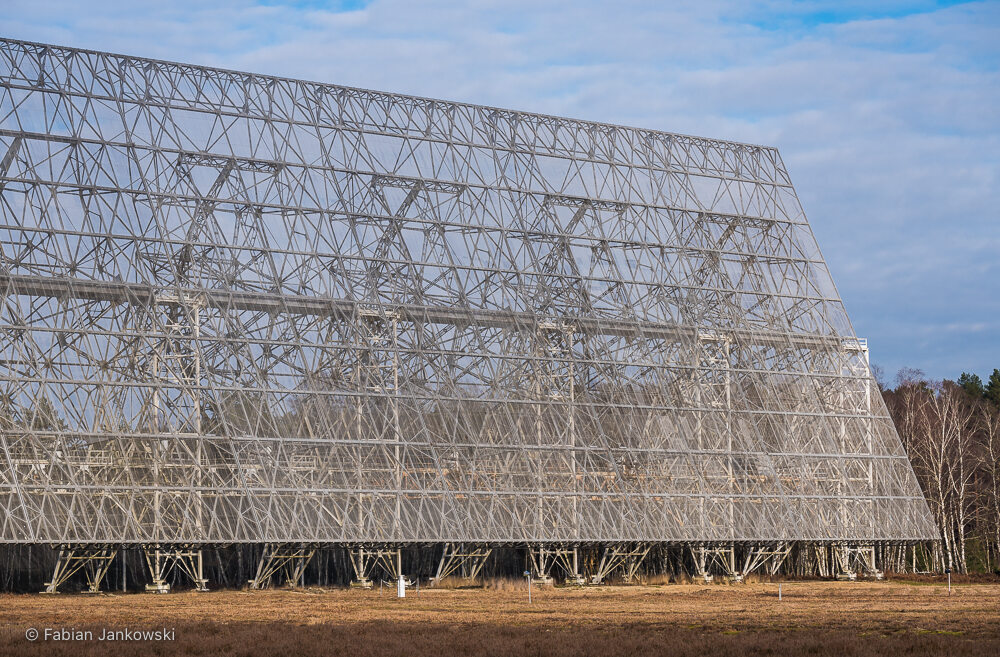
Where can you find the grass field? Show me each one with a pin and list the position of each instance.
(816, 618)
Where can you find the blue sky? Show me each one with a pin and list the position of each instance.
(887, 115)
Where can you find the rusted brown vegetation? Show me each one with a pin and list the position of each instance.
(820, 618)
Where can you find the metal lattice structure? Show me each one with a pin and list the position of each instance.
(238, 308)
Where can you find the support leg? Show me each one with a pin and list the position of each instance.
(718, 557)
(843, 563)
(540, 559)
(633, 561)
(821, 553)
(61, 572)
(699, 554)
(567, 559)
(366, 561)
(866, 561)
(627, 558)
(159, 568)
(290, 560)
(94, 561)
(458, 558)
(727, 558)
(764, 557)
(162, 560)
(360, 563)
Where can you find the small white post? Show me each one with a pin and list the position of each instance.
(779, 591)
(401, 588)
(527, 574)
(949, 581)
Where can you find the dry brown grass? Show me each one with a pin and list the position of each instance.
(508, 584)
(491, 583)
(453, 583)
(819, 618)
(659, 580)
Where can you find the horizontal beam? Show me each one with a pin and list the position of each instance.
(563, 544)
(288, 304)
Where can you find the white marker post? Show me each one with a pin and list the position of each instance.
(948, 570)
(779, 591)
(527, 574)
(401, 588)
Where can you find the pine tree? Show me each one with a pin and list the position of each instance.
(993, 388)
(972, 385)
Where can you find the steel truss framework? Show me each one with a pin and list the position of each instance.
(238, 308)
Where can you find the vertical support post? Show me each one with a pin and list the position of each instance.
(195, 350)
(844, 564)
(729, 555)
(157, 570)
(603, 568)
(397, 432)
(568, 559)
(726, 351)
(359, 562)
(378, 374)
(869, 441)
(569, 343)
(699, 554)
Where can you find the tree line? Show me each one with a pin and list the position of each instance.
(951, 433)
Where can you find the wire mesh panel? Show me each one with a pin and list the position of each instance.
(243, 308)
